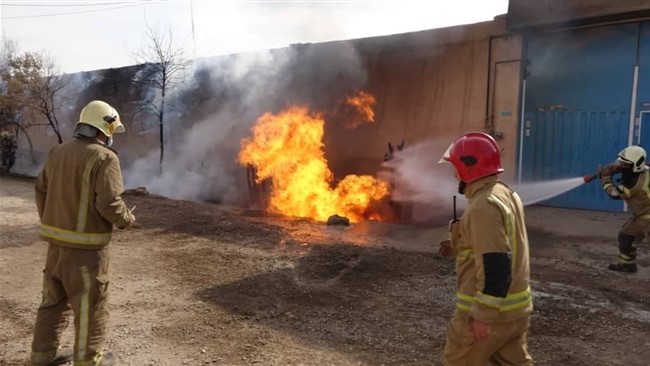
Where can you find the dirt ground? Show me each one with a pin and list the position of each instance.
(202, 284)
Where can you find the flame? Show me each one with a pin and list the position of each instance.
(288, 149)
(363, 104)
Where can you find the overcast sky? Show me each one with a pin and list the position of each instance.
(86, 35)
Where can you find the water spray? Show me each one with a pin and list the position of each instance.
(535, 192)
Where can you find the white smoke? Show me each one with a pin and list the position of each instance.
(200, 157)
(200, 167)
(419, 179)
(209, 115)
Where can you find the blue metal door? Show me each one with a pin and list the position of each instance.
(577, 108)
(643, 89)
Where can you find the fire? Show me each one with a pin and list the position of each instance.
(363, 104)
(288, 149)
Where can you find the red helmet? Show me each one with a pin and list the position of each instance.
(474, 155)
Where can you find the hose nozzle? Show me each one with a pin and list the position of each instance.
(589, 178)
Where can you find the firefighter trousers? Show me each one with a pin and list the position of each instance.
(507, 344)
(74, 281)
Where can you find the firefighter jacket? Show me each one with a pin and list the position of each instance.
(492, 260)
(78, 195)
(634, 189)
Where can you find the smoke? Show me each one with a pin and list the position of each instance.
(418, 178)
(205, 119)
(209, 115)
(197, 168)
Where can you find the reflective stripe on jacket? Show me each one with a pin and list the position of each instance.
(636, 197)
(78, 195)
(492, 223)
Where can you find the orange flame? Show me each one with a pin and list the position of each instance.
(288, 149)
(363, 104)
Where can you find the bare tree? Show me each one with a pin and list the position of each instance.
(45, 83)
(32, 85)
(11, 93)
(163, 65)
(13, 105)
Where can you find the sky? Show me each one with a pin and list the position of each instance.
(84, 35)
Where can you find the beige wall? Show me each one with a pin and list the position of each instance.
(503, 102)
(544, 13)
(433, 85)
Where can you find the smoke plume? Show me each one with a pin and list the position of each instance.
(419, 179)
(208, 116)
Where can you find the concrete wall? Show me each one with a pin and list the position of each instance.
(433, 85)
(524, 14)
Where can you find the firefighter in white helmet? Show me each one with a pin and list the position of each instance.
(633, 186)
(493, 299)
(78, 199)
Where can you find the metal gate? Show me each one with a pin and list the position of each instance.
(643, 88)
(578, 95)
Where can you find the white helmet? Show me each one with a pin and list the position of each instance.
(635, 156)
(102, 116)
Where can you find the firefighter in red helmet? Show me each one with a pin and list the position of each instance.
(493, 299)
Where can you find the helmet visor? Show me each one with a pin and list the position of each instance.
(447, 155)
(114, 124)
(625, 164)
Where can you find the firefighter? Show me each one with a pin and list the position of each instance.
(633, 188)
(493, 299)
(78, 199)
(8, 149)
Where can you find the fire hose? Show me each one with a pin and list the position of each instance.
(610, 169)
(589, 178)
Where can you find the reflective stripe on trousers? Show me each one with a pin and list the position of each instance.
(508, 303)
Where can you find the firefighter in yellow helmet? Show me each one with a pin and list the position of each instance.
(634, 188)
(78, 199)
(493, 299)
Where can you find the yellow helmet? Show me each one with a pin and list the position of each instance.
(635, 157)
(102, 116)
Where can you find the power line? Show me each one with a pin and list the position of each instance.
(46, 5)
(193, 39)
(144, 2)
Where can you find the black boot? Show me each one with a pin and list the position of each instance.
(623, 267)
(626, 254)
(63, 355)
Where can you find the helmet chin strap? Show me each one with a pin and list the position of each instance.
(461, 187)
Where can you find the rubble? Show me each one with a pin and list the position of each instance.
(338, 220)
(140, 191)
